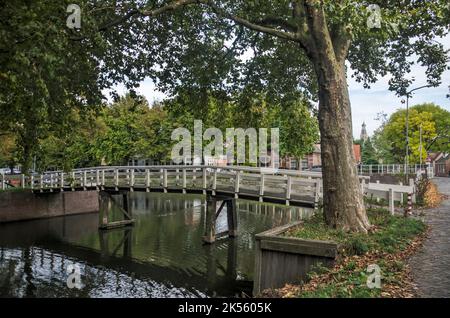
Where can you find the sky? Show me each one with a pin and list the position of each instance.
(366, 103)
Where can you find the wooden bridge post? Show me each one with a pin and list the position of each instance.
(116, 178)
(97, 180)
(236, 184)
(165, 180)
(103, 180)
(105, 206)
(212, 214)
(204, 179)
(72, 183)
(84, 180)
(126, 204)
(147, 180)
(2, 181)
(261, 188)
(106, 202)
(214, 185)
(232, 217)
(62, 182)
(210, 230)
(184, 180)
(131, 180)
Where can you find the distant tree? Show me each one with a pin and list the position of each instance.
(368, 153)
(215, 109)
(390, 139)
(44, 74)
(8, 150)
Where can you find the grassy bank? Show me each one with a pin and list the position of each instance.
(392, 240)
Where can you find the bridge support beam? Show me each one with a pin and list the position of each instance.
(106, 203)
(212, 214)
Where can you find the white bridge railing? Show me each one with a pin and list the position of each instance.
(395, 169)
(262, 183)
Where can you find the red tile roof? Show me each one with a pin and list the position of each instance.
(357, 152)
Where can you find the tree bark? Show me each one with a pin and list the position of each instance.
(343, 199)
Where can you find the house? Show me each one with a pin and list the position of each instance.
(357, 153)
(312, 160)
(442, 166)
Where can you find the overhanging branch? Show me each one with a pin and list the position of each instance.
(172, 6)
(251, 25)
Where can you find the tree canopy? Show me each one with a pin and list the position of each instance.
(432, 120)
(283, 48)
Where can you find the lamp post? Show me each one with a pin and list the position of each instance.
(408, 95)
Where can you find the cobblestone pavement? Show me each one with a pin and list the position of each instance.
(431, 265)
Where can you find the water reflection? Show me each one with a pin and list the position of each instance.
(162, 255)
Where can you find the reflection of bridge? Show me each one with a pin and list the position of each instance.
(117, 256)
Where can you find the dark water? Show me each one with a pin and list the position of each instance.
(162, 255)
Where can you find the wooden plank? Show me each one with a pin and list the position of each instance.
(117, 224)
(236, 184)
(278, 230)
(300, 247)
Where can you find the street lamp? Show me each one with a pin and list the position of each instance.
(408, 95)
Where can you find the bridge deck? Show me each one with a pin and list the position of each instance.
(288, 187)
(262, 184)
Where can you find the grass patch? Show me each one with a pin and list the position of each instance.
(392, 240)
(391, 233)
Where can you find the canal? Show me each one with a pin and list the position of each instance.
(162, 255)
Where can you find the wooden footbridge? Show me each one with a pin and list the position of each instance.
(222, 185)
(262, 184)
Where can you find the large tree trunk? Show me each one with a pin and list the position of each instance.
(343, 199)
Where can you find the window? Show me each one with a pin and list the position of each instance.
(293, 164)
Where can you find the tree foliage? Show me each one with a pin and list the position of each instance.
(435, 123)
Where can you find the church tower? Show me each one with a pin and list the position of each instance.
(364, 135)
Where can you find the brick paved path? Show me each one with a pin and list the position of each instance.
(431, 265)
